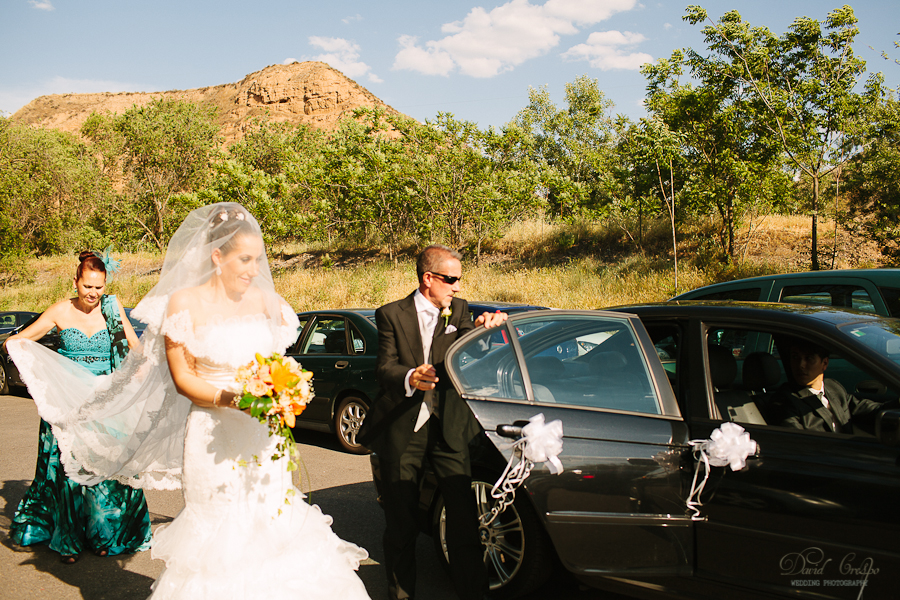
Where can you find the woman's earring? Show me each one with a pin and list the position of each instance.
(218, 269)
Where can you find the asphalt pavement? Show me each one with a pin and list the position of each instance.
(340, 483)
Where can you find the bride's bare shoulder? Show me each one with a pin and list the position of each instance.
(183, 299)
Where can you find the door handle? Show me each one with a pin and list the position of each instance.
(341, 364)
(513, 431)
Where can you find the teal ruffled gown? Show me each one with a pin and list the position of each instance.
(65, 515)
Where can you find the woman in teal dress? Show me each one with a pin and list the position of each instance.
(111, 518)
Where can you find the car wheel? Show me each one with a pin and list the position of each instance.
(4, 381)
(348, 418)
(517, 553)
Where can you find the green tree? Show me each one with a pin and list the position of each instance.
(662, 147)
(731, 159)
(164, 150)
(873, 181)
(803, 80)
(573, 145)
(50, 189)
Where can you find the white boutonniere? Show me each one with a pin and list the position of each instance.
(447, 312)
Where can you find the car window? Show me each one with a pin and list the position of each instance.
(295, 347)
(891, 299)
(846, 296)
(666, 339)
(750, 381)
(7, 320)
(488, 371)
(357, 341)
(586, 361)
(327, 337)
(750, 294)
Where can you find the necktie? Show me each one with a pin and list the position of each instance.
(824, 401)
(429, 321)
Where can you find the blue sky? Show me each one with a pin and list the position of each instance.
(475, 59)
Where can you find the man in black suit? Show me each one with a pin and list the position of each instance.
(815, 403)
(415, 417)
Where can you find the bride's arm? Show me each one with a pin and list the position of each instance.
(181, 361)
(189, 384)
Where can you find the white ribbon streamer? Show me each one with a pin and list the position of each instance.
(539, 443)
(728, 445)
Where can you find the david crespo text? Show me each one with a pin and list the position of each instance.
(850, 571)
(813, 561)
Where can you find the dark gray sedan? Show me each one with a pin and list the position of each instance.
(812, 514)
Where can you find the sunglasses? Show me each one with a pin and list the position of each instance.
(445, 278)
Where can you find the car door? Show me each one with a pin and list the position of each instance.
(814, 515)
(618, 508)
(323, 349)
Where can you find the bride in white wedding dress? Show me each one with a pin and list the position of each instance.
(245, 531)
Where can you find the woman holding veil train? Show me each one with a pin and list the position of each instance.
(168, 418)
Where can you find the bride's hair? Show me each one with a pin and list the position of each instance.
(229, 223)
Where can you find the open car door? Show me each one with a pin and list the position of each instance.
(618, 509)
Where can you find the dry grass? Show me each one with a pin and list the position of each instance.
(583, 283)
(559, 265)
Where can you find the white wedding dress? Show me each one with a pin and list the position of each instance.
(237, 537)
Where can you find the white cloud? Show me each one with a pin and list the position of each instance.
(352, 18)
(486, 43)
(41, 4)
(342, 55)
(13, 99)
(667, 26)
(604, 50)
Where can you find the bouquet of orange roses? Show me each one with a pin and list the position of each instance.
(276, 390)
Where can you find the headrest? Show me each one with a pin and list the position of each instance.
(761, 371)
(544, 367)
(334, 342)
(722, 366)
(611, 362)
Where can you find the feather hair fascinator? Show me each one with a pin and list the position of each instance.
(112, 264)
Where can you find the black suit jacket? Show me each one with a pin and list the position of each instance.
(803, 409)
(390, 421)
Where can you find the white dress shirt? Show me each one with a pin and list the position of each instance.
(428, 315)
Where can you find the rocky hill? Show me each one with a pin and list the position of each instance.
(309, 92)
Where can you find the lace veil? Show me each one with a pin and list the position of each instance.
(130, 425)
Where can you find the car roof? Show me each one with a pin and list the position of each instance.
(770, 311)
(882, 277)
(502, 305)
(364, 312)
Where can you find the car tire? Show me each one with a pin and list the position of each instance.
(4, 379)
(348, 418)
(518, 553)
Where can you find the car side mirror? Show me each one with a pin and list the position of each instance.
(887, 427)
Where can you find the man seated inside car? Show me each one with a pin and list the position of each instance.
(815, 403)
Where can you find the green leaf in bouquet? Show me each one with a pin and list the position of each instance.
(246, 400)
(291, 466)
(260, 406)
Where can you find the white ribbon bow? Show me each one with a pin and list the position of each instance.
(543, 443)
(728, 445)
(539, 443)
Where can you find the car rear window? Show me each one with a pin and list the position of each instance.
(742, 294)
(846, 296)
